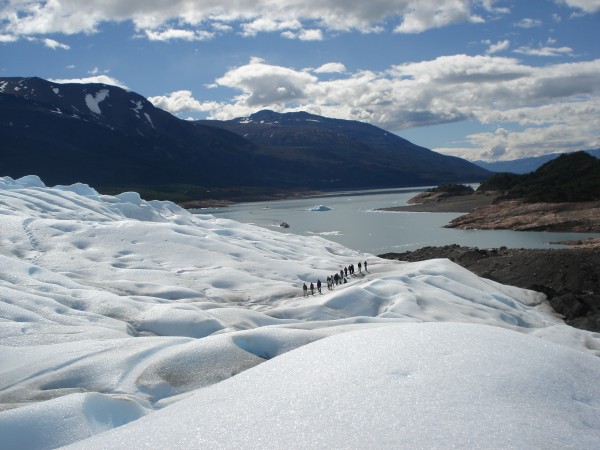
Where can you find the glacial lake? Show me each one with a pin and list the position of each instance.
(354, 222)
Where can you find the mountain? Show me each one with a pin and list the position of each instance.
(348, 153)
(115, 139)
(106, 136)
(524, 165)
(571, 177)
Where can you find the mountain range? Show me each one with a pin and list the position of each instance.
(525, 165)
(113, 139)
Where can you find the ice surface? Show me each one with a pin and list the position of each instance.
(113, 308)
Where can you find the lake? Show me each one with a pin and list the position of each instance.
(353, 222)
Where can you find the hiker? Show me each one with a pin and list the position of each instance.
(336, 278)
(305, 289)
(319, 286)
(359, 267)
(312, 289)
(366, 266)
(345, 271)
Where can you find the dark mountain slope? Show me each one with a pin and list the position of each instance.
(525, 165)
(349, 153)
(104, 135)
(115, 139)
(572, 177)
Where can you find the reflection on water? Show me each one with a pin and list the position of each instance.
(353, 222)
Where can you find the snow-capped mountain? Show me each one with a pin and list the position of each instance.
(127, 324)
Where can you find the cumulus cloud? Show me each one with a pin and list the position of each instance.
(181, 101)
(304, 35)
(178, 34)
(499, 46)
(544, 51)
(334, 67)
(301, 19)
(8, 38)
(423, 15)
(529, 23)
(554, 106)
(588, 6)
(51, 43)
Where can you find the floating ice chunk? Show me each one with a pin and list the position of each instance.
(320, 208)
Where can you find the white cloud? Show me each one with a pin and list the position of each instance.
(423, 15)
(588, 6)
(304, 35)
(544, 101)
(264, 84)
(333, 67)
(104, 79)
(51, 43)
(529, 23)
(30, 17)
(8, 38)
(499, 46)
(178, 34)
(181, 101)
(544, 51)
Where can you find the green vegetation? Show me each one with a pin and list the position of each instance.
(572, 177)
(453, 189)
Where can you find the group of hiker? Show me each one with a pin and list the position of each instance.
(335, 279)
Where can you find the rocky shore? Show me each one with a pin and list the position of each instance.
(570, 278)
(576, 217)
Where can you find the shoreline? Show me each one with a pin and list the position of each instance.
(455, 204)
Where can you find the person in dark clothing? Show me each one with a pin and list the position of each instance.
(366, 266)
(319, 286)
(345, 271)
(336, 278)
(305, 289)
(359, 267)
(312, 289)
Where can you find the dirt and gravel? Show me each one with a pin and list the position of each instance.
(570, 278)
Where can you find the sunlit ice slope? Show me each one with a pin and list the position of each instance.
(112, 307)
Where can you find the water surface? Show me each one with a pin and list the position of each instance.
(354, 222)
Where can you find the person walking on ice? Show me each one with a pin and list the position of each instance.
(319, 286)
(312, 289)
(366, 266)
(305, 289)
(359, 267)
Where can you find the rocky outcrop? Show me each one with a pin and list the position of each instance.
(580, 217)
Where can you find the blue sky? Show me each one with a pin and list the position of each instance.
(480, 79)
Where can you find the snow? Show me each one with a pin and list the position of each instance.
(128, 323)
(320, 208)
(93, 101)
